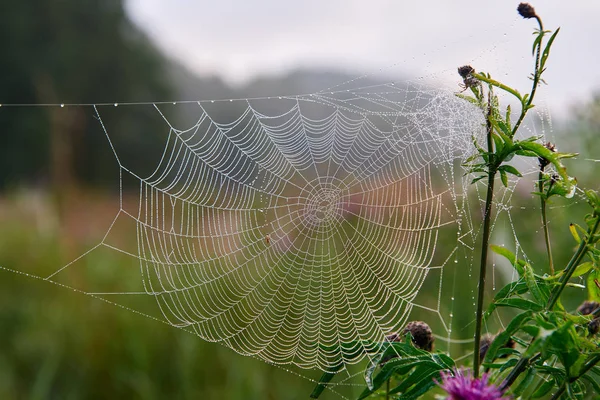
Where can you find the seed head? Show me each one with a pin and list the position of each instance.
(587, 307)
(486, 341)
(594, 326)
(525, 10)
(543, 162)
(421, 333)
(465, 71)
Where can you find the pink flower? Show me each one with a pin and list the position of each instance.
(462, 386)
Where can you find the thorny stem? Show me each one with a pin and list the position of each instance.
(573, 263)
(545, 221)
(536, 81)
(586, 367)
(486, 237)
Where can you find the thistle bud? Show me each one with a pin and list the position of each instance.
(484, 345)
(486, 341)
(587, 307)
(594, 326)
(421, 334)
(525, 10)
(543, 162)
(465, 71)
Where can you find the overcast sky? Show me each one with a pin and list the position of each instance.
(241, 39)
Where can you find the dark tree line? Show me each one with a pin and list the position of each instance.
(71, 51)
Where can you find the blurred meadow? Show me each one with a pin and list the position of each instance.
(59, 194)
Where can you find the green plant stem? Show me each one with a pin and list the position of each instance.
(485, 240)
(587, 366)
(573, 263)
(545, 221)
(387, 390)
(536, 81)
(514, 373)
(542, 380)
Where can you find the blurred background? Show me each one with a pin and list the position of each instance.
(59, 179)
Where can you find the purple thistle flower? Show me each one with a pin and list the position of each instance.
(462, 386)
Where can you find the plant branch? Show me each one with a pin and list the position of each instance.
(573, 263)
(586, 367)
(536, 80)
(545, 221)
(492, 168)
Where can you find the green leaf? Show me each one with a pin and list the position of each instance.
(420, 377)
(470, 99)
(477, 179)
(511, 170)
(498, 142)
(521, 304)
(582, 269)
(511, 289)
(322, 384)
(540, 295)
(543, 390)
(573, 229)
(518, 391)
(504, 178)
(400, 366)
(510, 256)
(594, 383)
(420, 388)
(593, 290)
(503, 337)
(546, 51)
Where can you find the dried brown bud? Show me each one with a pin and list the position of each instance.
(587, 307)
(525, 10)
(421, 334)
(484, 345)
(465, 71)
(551, 146)
(486, 341)
(594, 326)
(543, 162)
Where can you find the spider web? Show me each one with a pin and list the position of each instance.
(301, 230)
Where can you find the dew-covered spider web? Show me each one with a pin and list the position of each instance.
(301, 230)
